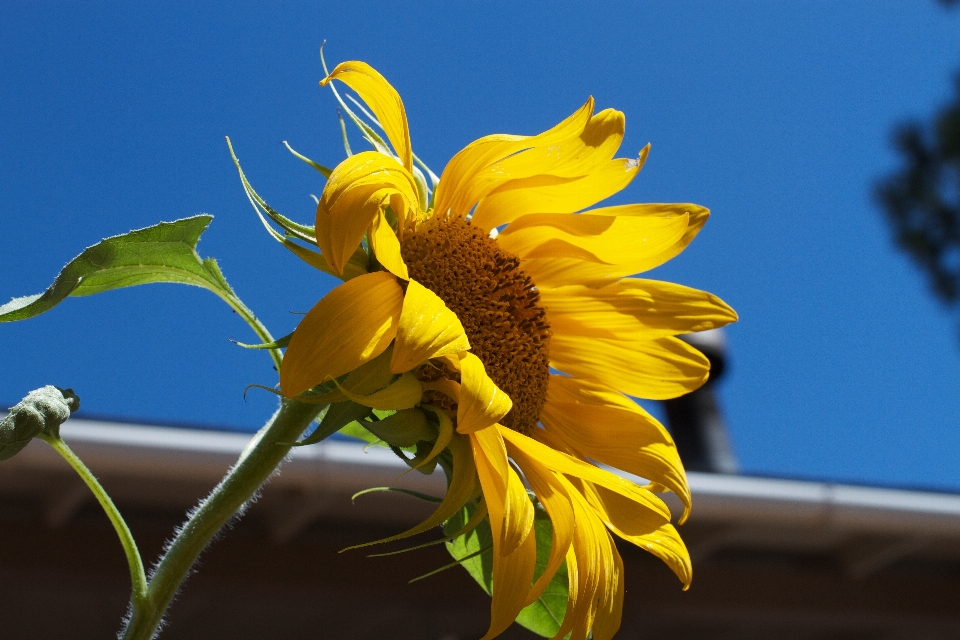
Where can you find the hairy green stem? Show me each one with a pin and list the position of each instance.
(258, 461)
(137, 578)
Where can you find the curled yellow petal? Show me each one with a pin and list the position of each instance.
(476, 171)
(443, 438)
(571, 466)
(636, 526)
(428, 329)
(351, 325)
(357, 192)
(386, 246)
(382, 99)
(481, 404)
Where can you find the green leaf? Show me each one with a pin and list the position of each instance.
(544, 616)
(162, 253)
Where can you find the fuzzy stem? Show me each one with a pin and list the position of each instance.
(137, 578)
(258, 461)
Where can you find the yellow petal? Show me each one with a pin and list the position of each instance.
(557, 195)
(475, 171)
(626, 438)
(382, 99)
(561, 177)
(404, 393)
(588, 557)
(386, 246)
(444, 437)
(568, 465)
(557, 505)
(570, 269)
(637, 241)
(635, 525)
(657, 369)
(428, 329)
(351, 325)
(609, 613)
(481, 403)
(511, 520)
(632, 307)
(461, 489)
(357, 192)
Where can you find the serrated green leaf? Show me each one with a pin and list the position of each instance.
(544, 616)
(166, 252)
(162, 253)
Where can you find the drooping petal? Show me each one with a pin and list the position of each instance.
(475, 171)
(617, 433)
(357, 192)
(633, 307)
(606, 622)
(571, 466)
(351, 325)
(634, 525)
(382, 99)
(615, 240)
(511, 522)
(588, 557)
(428, 329)
(481, 404)
(657, 369)
(555, 501)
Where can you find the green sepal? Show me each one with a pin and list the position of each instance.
(294, 229)
(337, 416)
(409, 492)
(325, 172)
(544, 616)
(404, 428)
(279, 343)
(162, 253)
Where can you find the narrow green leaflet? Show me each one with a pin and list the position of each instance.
(544, 616)
(162, 253)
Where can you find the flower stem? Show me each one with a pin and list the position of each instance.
(258, 461)
(137, 577)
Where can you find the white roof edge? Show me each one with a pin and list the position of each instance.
(157, 451)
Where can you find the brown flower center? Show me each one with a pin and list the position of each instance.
(495, 301)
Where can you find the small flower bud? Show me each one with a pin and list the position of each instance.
(43, 410)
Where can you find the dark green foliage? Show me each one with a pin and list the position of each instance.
(922, 200)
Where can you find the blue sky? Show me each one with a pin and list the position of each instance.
(775, 115)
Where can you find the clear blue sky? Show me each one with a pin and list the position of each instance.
(775, 115)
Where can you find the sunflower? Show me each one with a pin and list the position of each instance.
(493, 315)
